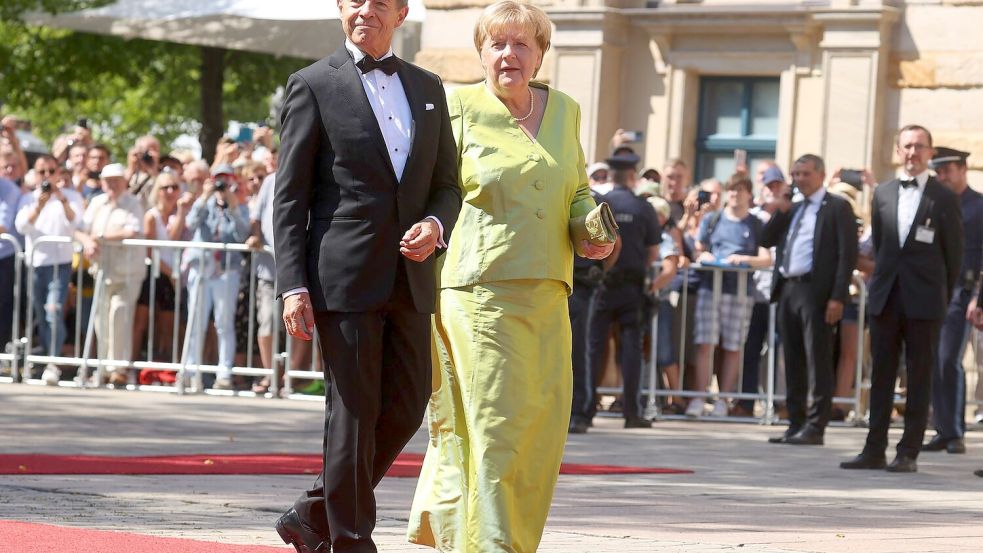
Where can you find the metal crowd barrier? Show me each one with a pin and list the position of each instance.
(652, 390)
(188, 376)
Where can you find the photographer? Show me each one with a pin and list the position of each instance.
(143, 166)
(213, 276)
(13, 162)
(97, 159)
(52, 209)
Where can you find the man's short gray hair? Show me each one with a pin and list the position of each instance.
(817, 162)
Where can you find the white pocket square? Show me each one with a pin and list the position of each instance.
(429, 107)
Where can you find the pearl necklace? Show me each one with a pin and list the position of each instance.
(532, 107)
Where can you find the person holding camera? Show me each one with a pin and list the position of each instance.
(213, 275)
(52, 209)
(112, 216)
(9, 199)
(143, 166)
(97, 158)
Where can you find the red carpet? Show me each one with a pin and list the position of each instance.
(406, 466)
(23, 537)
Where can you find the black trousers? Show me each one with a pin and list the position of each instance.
(380, 367)
(949, 378)
(6, 299)
(756, 335)
(579, 305)
(808, 344)
(621, 304)
(888, 331)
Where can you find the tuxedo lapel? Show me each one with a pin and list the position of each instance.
(891, 214)
(413, 91)
(349, 86)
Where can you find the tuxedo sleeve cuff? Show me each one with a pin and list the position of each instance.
(440, 227)
(295, 291)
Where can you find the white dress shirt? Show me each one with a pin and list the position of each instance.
(908, 200)
(392, 111)
(801, 249)
(52, 221)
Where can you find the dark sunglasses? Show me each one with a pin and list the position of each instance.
(47, 171)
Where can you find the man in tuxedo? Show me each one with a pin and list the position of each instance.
(367, 190)
(916, 228)
(816, 245)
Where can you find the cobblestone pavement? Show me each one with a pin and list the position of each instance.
(746, 495)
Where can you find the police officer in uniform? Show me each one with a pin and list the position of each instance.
(948, 379)
(620, 297)
(587, 275)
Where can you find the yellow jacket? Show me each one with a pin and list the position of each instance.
(519, 194)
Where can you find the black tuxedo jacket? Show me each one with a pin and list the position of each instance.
(338, 210)
(926, 273)
(834, 253)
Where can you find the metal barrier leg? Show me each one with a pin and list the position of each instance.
(89, 334)
(652, 410)
(770, 417)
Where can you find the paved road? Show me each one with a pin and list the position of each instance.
(746, 495)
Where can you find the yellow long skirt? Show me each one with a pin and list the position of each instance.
(498, 417)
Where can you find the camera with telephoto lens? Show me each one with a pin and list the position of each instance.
(221, 185)
(45, 186)
(147, 158)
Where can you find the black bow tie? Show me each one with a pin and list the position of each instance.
(387, 65)
(909, 183)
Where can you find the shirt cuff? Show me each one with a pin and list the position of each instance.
(440, 227)
(295, 291)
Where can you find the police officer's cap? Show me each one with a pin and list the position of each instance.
(945, 155)
(623, 161)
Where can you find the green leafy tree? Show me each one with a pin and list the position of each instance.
(127, 88)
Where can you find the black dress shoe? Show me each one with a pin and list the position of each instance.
(865, 461)
(294, 531)
(956, 445)
(638, 423)
(903, 463)
(809, 435)
(978, 472)
(577, 426)
(937, 443)
(784, 437)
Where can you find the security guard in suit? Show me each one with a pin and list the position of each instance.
(949, 379)
(621, 295)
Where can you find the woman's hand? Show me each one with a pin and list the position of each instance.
(590, 251)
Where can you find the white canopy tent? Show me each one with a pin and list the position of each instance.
(302, 28)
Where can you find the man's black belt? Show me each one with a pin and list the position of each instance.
(800, 278)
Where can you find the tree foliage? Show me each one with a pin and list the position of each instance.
(126, 88)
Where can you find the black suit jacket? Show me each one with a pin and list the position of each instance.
(338, 210)
(926, 273)
(834, 253)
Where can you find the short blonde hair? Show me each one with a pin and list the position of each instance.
(507, 14)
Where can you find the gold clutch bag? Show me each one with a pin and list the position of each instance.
(597, 227)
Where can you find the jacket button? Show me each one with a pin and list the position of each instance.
(540, 213)
(534, 157)
(538, 184)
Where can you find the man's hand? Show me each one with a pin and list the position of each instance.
(834, 312)
(974, 314)
(298, 316)
(590, 251)
(420, 240)
(254, 243)
(89, 245)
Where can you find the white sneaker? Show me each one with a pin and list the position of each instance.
(719, 408)
(51, 375)
(695, 408)
(223, 383)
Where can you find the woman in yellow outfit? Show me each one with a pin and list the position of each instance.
(500, 407)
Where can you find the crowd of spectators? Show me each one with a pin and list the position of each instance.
(77, 194)
(712, 226)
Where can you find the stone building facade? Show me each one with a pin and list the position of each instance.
(776, 78)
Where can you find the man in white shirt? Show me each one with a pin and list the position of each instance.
(52, 209)
(113, 216)
(916, 226)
